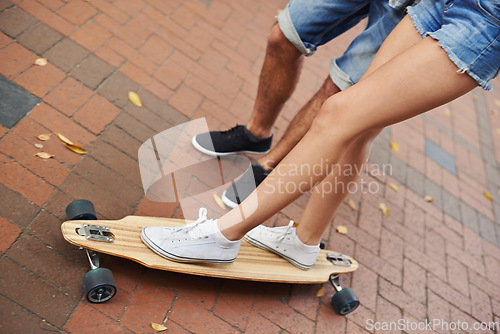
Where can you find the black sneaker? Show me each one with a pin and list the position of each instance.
(244, 186)
(234, 140)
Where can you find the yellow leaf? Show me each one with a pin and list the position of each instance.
(40, 146)
(429, 198)
(64, 139)
(497, 102)
(158, 327)
(342, 229)
(219, 201)
(493, 112)
(447, 112)
(474, 98)
(384, 208)
(488, 196)
(43, 155)
(321, 292)
(41, 61)
(498, 131)
(135, 99)
(75, 148)
(295, 224)
(393, 186)
(352, 205)
(394, 146)
(44, 137)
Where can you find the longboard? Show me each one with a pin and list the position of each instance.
(122, 238)
(252, 263)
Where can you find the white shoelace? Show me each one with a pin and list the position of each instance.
(194, 229)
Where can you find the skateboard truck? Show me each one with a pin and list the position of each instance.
(338, 259)
(96, 233)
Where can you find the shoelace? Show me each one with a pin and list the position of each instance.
(286, 232)
(193, 230)
(232, 131)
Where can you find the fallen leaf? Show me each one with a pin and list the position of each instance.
(321, 292)
(474, 98)
(40, 146)
(447, 112)
(497, 102)
(429, 198)
(488, 196)
(75, 148)
(384, 208)
(64, 139)
(43, 155)
(44, 137)
(394, 146)
(158, 327)
(341, 229)
(352, 205)
(493, 112)
(219, 201)
(498, 131)
(295, 224)
(393, 186)
(41, 61)
(135, 99)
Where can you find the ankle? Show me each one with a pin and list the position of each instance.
(308, 240)
(258, 131)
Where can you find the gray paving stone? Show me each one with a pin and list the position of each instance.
(440, 156)
(415, 181)
(469, 217)
(487, 229)
(451, 205)
(15, 102)
(399, 169)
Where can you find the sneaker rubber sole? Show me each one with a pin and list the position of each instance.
(221, 154)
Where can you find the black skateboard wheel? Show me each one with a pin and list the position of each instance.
(81, 209)
(99, 285)
(345, 301)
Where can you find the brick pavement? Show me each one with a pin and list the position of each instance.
(201, 58)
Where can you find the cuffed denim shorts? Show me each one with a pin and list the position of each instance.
(468, 30)
(308, 24)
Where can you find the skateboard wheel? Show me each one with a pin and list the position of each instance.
(345, 301)
(81, 209)
(99, 285)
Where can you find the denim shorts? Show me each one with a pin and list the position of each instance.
(310, 23)
(468, 30)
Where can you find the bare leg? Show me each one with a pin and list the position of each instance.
(416, 76)
(328, 195)
(278, 79)
(299, 125)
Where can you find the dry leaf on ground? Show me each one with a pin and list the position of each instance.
(219, 201)
(321, 292)
(44, 155)
(158, 327)
(64, 139)
(497, 102)
(341, 229)
(394, 146)
(474, 98)
(488, 195)
(352, 205)
(429, 198)
(393, 186)
(493, 112)
(135, 99)
(75, 148)
(44, 137)
(447, 112)
(41, 61)
(384, 208)
(40, 146)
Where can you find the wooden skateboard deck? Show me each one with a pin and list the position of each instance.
(252, 263)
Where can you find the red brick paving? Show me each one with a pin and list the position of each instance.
(191, 59)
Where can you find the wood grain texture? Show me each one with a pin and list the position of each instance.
(252, 263)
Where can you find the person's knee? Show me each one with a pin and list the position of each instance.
(277, 42)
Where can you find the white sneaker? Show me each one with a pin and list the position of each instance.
(283, 241)
(200, 241)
